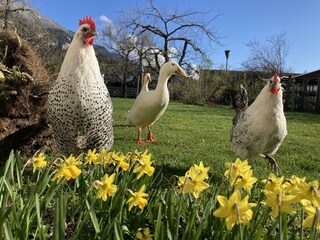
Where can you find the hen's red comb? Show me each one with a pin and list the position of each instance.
(88, 21)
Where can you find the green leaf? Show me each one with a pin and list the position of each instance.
(117, 230)
(40, 225)
(93, 217)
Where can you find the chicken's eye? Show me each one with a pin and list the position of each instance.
(84, 29)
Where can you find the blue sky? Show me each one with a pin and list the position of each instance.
(239, 22)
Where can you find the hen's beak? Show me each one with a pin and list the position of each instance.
(93, 32)
(181, 72)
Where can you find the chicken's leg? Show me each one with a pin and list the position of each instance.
(274, 165)
(150, 137)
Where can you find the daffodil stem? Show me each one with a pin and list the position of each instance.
(241, 231)
(280, 227)
(301, 226)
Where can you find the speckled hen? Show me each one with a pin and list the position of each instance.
(261, 127)
(79, 105)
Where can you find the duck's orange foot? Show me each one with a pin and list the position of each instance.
(150, 139)
(142, 143)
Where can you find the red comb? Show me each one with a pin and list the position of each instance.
(88, 21)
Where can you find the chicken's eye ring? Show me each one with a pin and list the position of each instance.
(84, 29)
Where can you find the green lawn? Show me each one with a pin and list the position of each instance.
(188, 134)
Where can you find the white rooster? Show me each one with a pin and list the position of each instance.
(79, 105)
(261, 127)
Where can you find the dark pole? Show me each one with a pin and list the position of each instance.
(140, 80)
(227, 52)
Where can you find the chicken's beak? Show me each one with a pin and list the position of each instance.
(93, 32)
(181, 72)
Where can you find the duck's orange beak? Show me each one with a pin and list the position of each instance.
(181, 72)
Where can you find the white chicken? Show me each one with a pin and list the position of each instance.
(79, 105)
(150, 105)
(261, 127)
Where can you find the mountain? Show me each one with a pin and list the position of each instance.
(49, 39)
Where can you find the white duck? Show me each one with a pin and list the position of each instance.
(147, 79)
(150, 105)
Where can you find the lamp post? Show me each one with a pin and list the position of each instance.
(141, 71)
(227, 53)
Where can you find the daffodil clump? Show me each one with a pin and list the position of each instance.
(112, 195)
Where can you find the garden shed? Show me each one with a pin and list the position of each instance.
(302, 92)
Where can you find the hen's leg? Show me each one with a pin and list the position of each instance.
(150, 137)
(274, 165)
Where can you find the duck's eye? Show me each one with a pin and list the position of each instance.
(84, 29)
(172, 64)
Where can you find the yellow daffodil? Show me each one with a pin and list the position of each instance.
(92, 157)
(144, 166)
(68, 169)
(121, 161)
(234, 210)
(202, 170)
(106, 187)
(138, 198)
(236, 168)
(192, 182)
(144, 234)
(308, 191)
(275, 184)
(279, 201)
(106, 157)
(39, 161)
(245, 180)
(313, 215)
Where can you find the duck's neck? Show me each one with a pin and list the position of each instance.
(162, 82)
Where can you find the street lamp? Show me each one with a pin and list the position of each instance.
(227, 52)
(140, 80)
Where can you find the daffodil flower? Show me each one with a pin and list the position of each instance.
(245, 180)
(202, 170)
(144, 166)
(68, 169)
(144, 234)
(92, 157)
(234, 210)
(138, 198)
(313, 215)
(275, 184)
(308, 191)
(236, 168)
(106, 157)
(39, 161)
(192, 182)
(121, 162)
(106, 187)
(279, 201)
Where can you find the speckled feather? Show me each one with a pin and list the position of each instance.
(79, 105)
(260, 128)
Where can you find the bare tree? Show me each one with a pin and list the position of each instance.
(179, 35)
(118, 41)
(269, 56)
(11, 7)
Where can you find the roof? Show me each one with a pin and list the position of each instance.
(313, 74)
